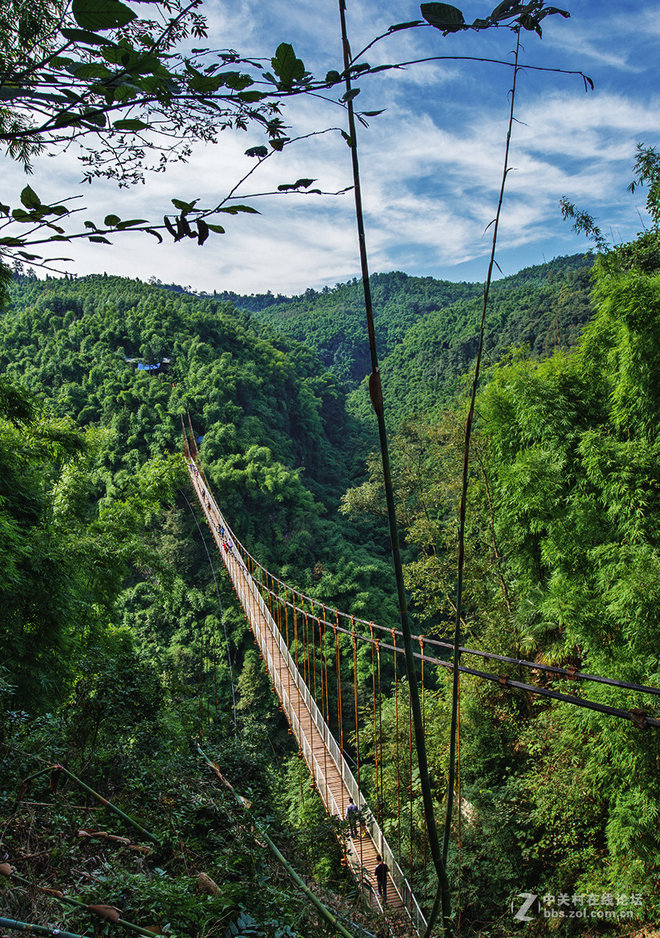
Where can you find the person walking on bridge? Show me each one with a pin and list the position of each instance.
(381, 871)
(352, 817)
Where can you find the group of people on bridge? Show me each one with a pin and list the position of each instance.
(354, 818)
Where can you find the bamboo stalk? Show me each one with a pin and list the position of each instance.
(95, 794)
(466, 463)
(39, 929)
(376, 395)
(56, 894)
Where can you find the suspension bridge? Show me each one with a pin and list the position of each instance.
(333, 778)
(299, 640)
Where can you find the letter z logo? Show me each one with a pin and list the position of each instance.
(529, 900)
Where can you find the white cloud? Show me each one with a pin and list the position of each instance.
(431, 164)
(607, 35)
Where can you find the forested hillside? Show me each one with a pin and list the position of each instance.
(430, 326)
(563, 568)
(332, 321)
(542, 308)
(120, 640)
(276, 437)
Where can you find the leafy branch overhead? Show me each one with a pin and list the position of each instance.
(42, 222)
(509, 13)
(115, 84)
(98, 76)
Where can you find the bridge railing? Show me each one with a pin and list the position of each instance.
(250, 596)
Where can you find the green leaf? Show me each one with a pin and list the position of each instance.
(217, 228)
(95, 117)
(332, 77)
(184, 206)
(83, 35)
(505, 8)
(237, 81)
(530, 22)
(8, 92)
(111, 220)
(250, 96)
(398, 26)
(116, 53)
(125, 92)
(101, 14)
(84, 71)
(130, 124)
(286, 66)
(29, 198)
(257, 151)
(183, 229)
(205, 84)
(100, 239)
(298, 184)
(235, 209)
(202, 231)
(67, 120)
(147, 65)
(130, 222)
(443, 16)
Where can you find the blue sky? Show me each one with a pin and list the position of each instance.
(431, 163)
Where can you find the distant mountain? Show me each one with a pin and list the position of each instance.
(426, 328)
(542, 308)
(332, 321)
(248, 303)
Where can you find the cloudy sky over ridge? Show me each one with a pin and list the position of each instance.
(431, 163)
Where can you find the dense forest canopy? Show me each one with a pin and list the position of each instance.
(116, 627)
(431, 325)
(278, 443)
(107, 575)
(126, 660)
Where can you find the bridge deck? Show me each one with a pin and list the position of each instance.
(334, 781)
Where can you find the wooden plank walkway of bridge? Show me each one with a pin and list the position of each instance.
(334, 781)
